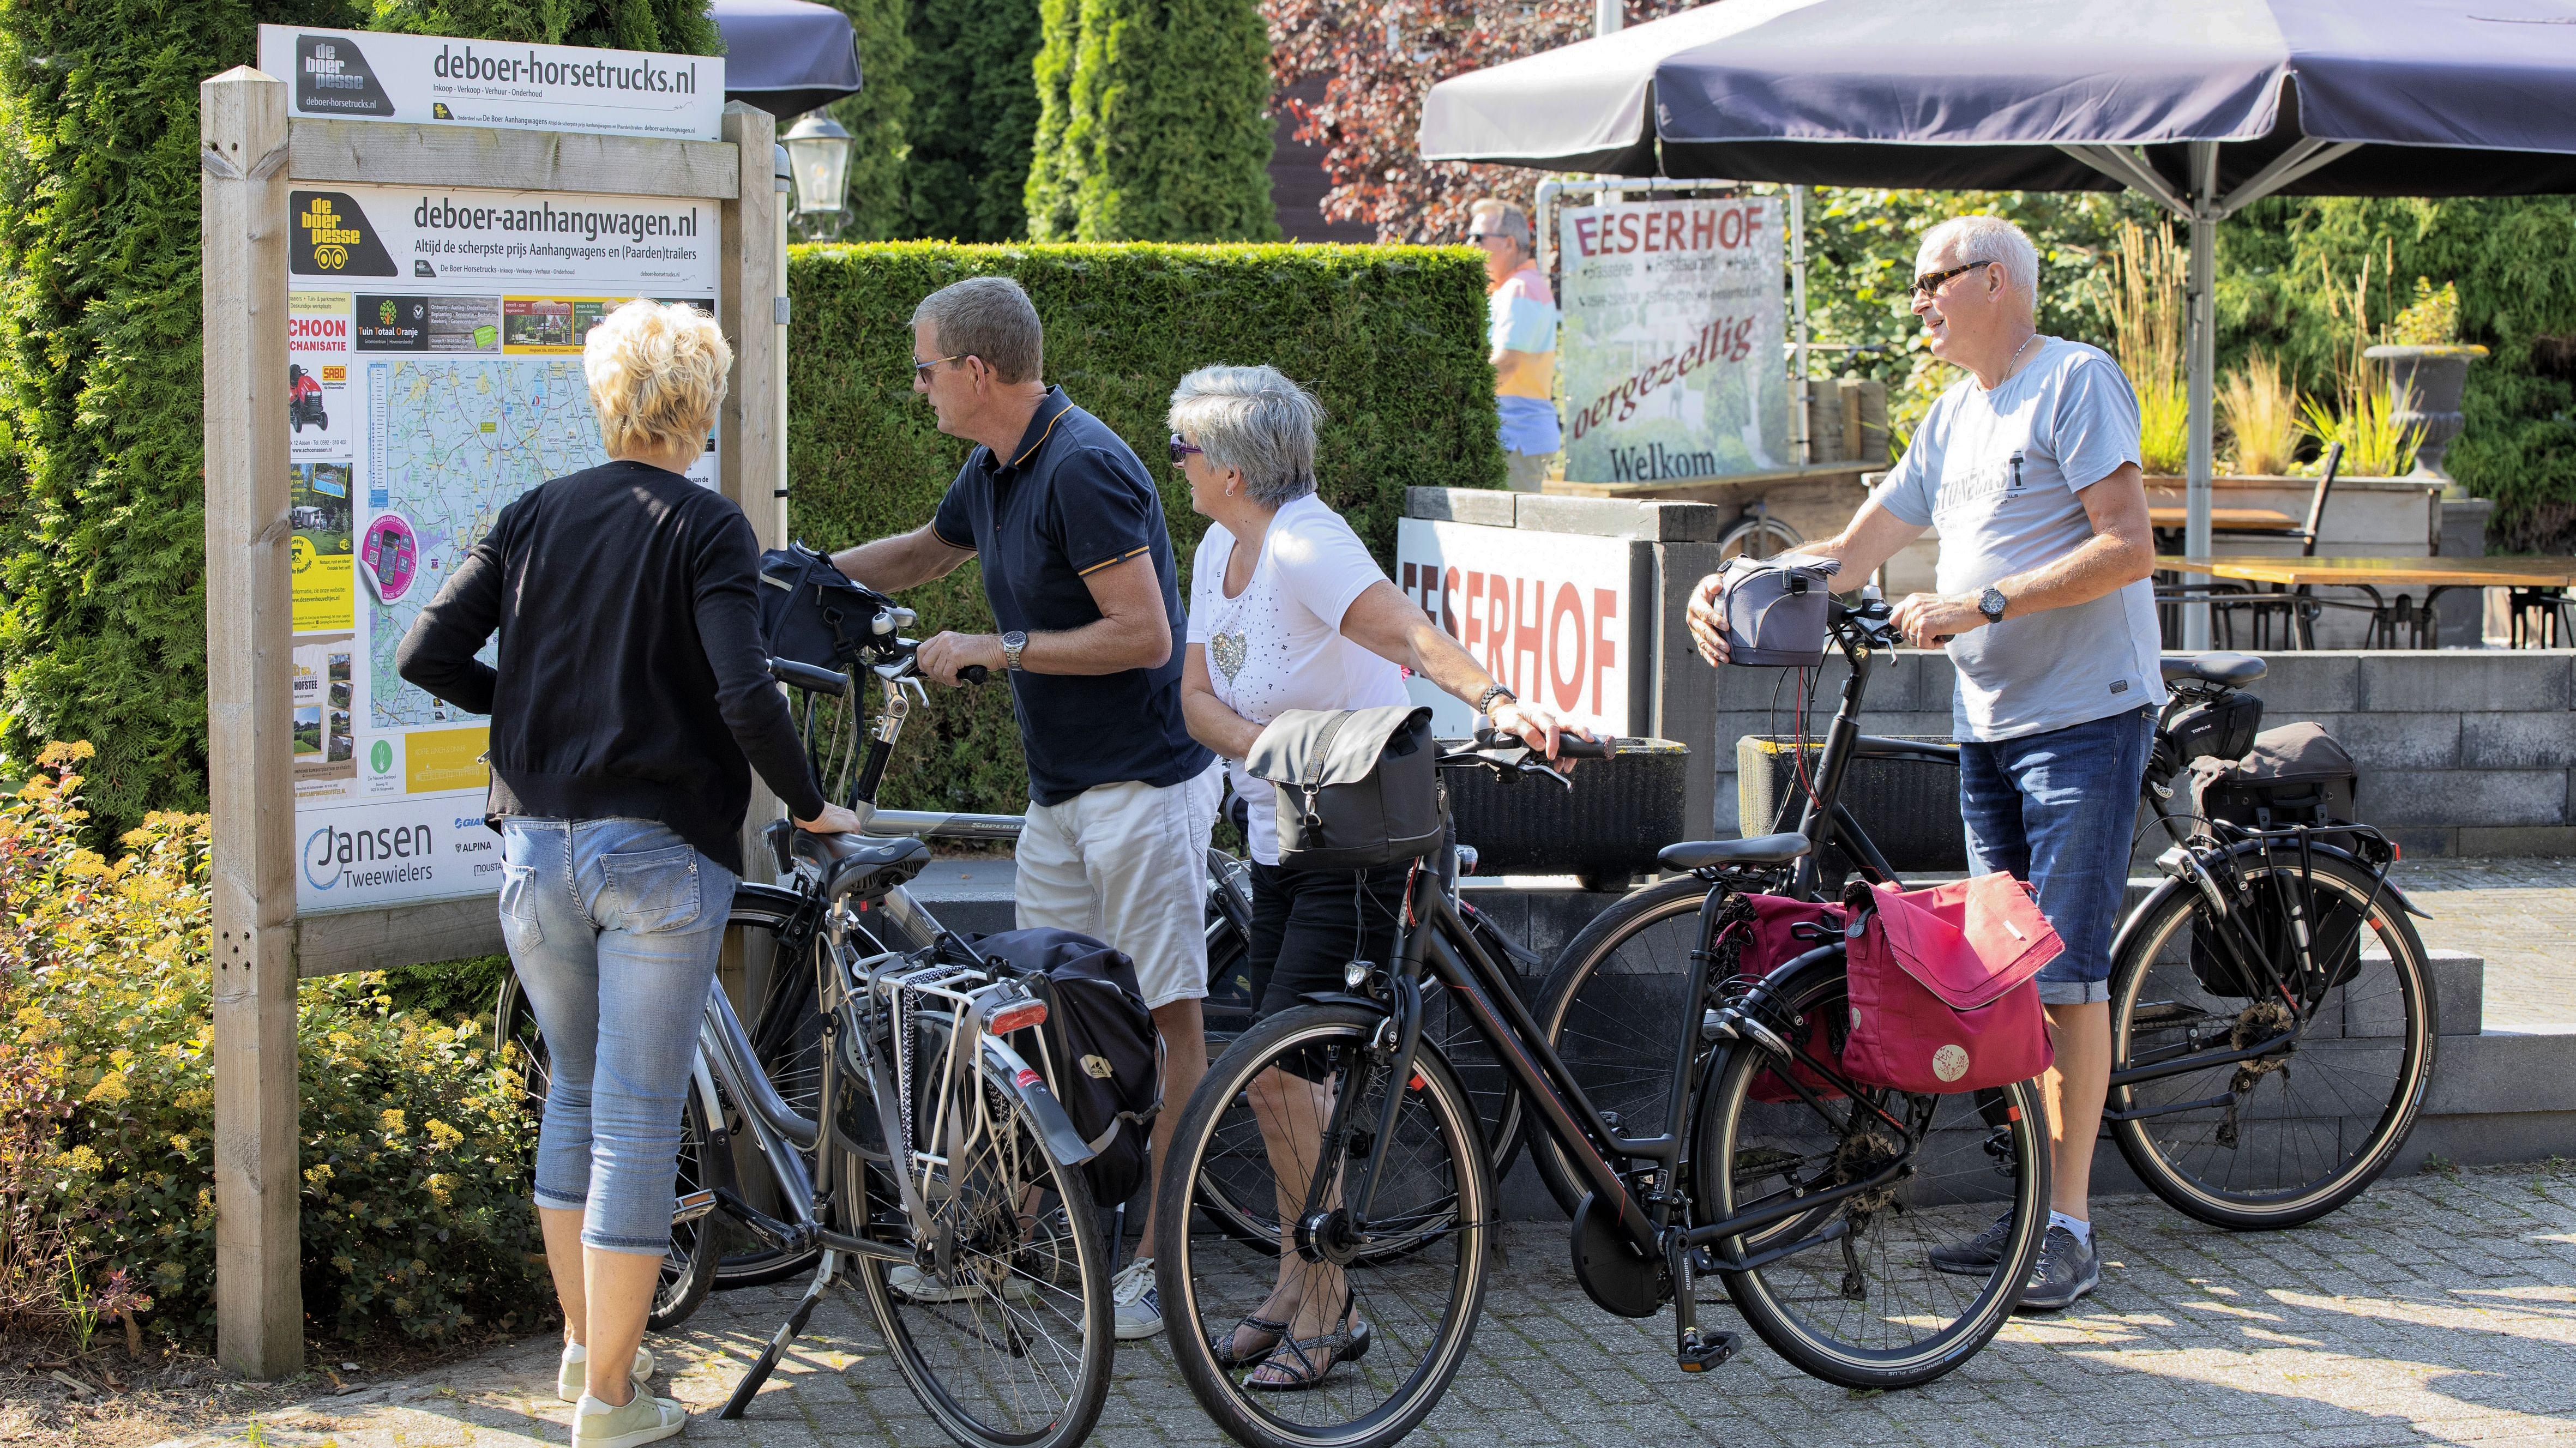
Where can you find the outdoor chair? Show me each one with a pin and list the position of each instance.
(2298, 607)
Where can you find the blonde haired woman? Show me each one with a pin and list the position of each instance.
(630, 704)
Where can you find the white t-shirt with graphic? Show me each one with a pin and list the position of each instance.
(1997, 474)
(1278, 645)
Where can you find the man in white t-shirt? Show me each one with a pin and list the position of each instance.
(2028, 469)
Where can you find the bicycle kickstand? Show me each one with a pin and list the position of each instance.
(787, 1332)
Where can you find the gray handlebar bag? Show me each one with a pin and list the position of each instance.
(1775, 610)
(1356, 788)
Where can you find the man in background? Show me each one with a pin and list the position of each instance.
(1521, 330)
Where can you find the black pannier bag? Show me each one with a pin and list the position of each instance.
(810, 611)
(1355, 788)
(2297, 774)
(2220, 728)
(1102, 1056)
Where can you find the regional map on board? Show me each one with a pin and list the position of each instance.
(458, 441)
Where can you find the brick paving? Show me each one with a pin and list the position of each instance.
(2436, 1309)
(2520, 915)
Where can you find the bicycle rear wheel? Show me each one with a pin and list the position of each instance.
(1399, 1292)
(2286, 1137)
(1004, 1329)
(1861, 1304)
(1613, 1011)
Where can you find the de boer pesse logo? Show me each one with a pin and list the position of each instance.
(333, 237)
(360, 859)
(332, 79)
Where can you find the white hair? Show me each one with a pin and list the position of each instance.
(1989, 239)
(1255, 420)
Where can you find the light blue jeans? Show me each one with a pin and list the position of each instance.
(614, 926)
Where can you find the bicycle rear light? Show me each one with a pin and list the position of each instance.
(1019, 1013)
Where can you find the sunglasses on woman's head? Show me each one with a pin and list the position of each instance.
(1182, 449)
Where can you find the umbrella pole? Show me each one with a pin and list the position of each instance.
(2200, 363)
(1800, 403)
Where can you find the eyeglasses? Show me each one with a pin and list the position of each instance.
(921, 370)
(1182, 449)
(1930, 282)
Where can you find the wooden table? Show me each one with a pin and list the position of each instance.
(2371, 575)
(2224, 520)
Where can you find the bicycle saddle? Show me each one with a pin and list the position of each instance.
(865, 864)
(1759, 850)
(2233, 671)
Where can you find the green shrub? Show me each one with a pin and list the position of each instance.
(102, 524)
(1391, 339)
(974, 118)
(1151, 123)
(876, 120)
(414, 1141)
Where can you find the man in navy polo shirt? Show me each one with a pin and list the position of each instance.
(1078, 570)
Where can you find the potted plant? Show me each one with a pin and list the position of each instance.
(2428, 368)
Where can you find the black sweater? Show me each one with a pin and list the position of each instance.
(633, 683)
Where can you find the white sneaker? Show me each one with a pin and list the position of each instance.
(644, 1419)
(914, 1285)
(569, 1376)
(1139, 1304)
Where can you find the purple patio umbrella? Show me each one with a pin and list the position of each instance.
(786, 56)
(2203, 105)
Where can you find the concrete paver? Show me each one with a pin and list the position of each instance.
(2520, 915)
(2434, 1309)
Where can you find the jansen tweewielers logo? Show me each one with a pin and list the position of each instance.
(333, 237)
(332, 78)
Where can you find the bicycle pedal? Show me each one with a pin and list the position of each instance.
(691, 1206)
(1708, 1352)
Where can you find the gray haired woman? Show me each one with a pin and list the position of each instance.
(1289, 611)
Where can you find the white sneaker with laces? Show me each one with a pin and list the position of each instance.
(576, 1359)
(1139, 1305)
(642, 1419)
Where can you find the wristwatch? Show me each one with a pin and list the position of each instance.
(1485, 701)
(1991, 603)
(1012, 643)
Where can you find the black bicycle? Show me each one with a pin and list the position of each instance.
(2273, 1014)
(1813, 1198)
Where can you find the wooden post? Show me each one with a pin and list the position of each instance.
(747, 310)
(259, 1298)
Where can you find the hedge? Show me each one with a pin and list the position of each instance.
(1391, 339)
(102, 524)
(974, 117)
(1151, 123)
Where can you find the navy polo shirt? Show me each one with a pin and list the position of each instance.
(1071, 500)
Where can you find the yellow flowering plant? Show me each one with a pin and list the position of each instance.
(414, 1142)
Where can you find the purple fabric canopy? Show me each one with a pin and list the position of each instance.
(786, 56)
(2442, 97)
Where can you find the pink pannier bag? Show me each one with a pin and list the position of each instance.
(1942, 998)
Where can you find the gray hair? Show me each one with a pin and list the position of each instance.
(991, 318)
(1990, 239)
(1496, 217)
(1256, 421)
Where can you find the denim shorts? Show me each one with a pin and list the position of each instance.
(2059, 809)
(614, 927)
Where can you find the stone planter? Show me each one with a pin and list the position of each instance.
(2432, 378)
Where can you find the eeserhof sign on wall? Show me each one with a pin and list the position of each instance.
(1671, 357)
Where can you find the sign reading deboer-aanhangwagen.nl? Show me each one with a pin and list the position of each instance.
(1671, 358)
(366, 75)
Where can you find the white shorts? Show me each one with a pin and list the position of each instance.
(1127, 863)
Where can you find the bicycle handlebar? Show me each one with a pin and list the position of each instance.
(806, 676)
(1567, 745)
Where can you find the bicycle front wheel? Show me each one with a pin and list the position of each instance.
(1852, 1295)
(2292, 1134)
(1002, 1327)
(1378, 1309)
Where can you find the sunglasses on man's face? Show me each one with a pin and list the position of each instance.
(921, 370)
(1930, 282)
(1182, 449)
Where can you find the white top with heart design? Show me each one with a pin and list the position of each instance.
(1278, 645)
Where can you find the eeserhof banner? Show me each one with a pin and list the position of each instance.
(370, 75)
(1671, 354)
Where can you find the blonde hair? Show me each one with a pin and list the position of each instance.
(656, 372)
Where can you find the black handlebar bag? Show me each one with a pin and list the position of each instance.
(1356, 788)
(811, 612)
(1102, 1056)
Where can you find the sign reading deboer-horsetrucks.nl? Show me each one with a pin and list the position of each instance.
(1552, 616)
(367, 75)
(1671, 354)
(434, 375)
